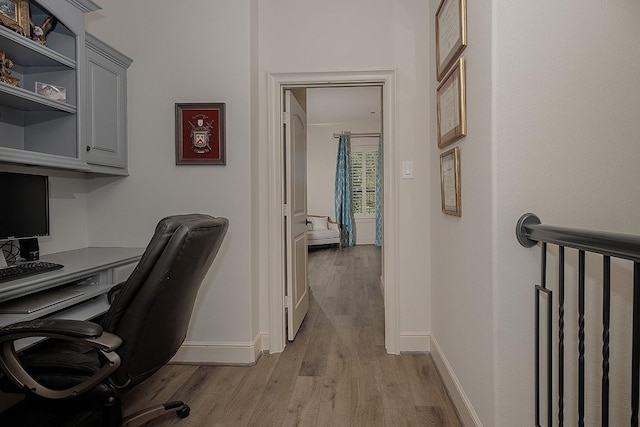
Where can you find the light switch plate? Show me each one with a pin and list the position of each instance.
(407, 170)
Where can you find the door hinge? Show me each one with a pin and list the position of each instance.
(287, 302)
(286, 117)
(286, 210)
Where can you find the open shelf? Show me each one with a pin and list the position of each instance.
(25, 100)
(23, 51)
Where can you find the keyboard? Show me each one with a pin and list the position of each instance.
(24, 269)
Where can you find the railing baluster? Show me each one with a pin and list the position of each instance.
(549, 358)
(561, 336)
(530, 232)
(581, 338)
(543, 267)
(635, 351)
(537, 357)
(543, 280)
(606, 315)
(549, 295)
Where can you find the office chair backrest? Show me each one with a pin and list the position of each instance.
(152, 310)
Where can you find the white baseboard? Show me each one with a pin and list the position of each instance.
(265, 342)
(414, 342)
(467, 414)
(212, 353)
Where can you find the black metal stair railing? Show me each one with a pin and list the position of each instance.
(529, 232)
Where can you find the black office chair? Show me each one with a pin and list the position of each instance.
(78, 379)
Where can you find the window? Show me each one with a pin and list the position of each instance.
(364, 162)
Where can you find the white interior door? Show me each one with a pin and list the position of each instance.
(297, 291)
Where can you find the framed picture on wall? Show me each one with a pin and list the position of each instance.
(451, 106)
(451, 34)
(200, 134)
(450, 182)
(14, 14)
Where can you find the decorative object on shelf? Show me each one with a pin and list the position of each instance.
(451, 106)
(5, 74)
(450, 182)
(14, 14)
(200, 134)
(40, 33)
(57, 93)
(451, 33)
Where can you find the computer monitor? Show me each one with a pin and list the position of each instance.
(24, 206)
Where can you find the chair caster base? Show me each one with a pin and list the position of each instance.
(142, 417)
(183, 412)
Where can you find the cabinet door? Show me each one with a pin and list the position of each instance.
(106, 104)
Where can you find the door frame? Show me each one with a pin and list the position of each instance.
(275, 217)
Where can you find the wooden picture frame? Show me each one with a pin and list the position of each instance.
(14, 14)
(451, 106)
(451, 34)
(450, 193)
(200, 134)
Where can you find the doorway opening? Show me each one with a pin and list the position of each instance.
(278, 83)
(332, 135)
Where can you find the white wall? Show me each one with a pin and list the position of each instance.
(552, 128)
(357, 35)
(198, 52)
(321, 169)
(462, 258)
(566, 147)
(218, 41)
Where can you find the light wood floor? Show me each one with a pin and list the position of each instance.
(336, 372)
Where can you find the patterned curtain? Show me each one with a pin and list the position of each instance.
(379, 195)
(344, 215)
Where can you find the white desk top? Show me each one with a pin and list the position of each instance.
(78, 264)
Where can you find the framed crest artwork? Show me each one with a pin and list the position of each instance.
(200, 134)
(14, 14)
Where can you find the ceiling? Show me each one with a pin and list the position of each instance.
(344, 104)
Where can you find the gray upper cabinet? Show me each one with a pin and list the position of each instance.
(106, 116)
(46, 119)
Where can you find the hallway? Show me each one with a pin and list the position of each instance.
(336, 372)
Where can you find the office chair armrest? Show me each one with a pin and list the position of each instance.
(75, 328)
(68, 330)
